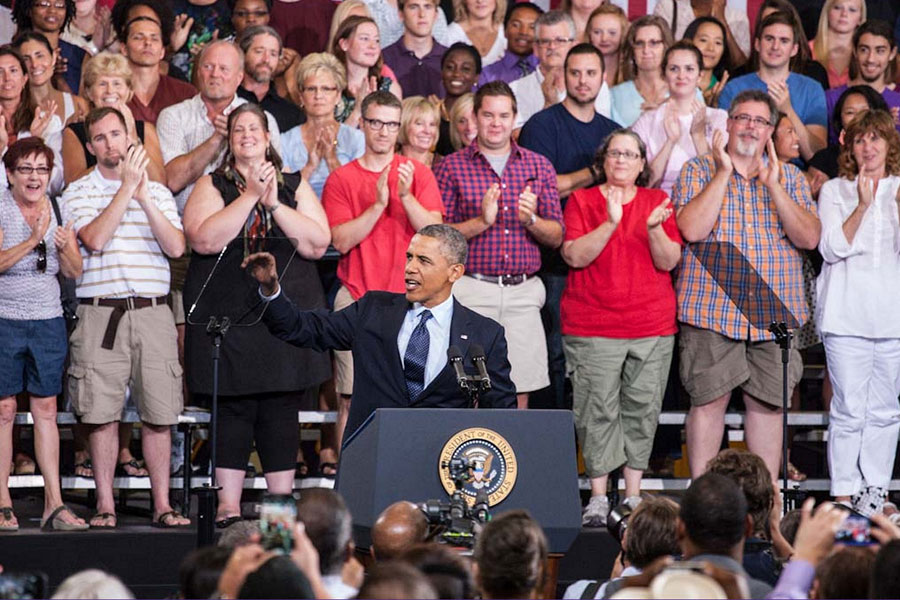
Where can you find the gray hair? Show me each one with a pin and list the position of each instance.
(216, 43)
(555, 17)
(247, 36)
(92, 583)
(755, 96)
(453, 244)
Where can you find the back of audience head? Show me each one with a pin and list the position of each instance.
(399, 527)
(881, 124)
(885, 579)
(278, 577)
(708, 34)
(198, 575)
(713, 517)
(90, 584)
(854, 100)
(662, 34)
(749, 471)
(652, 531)
(449, 572)
(329, 527)
(395, 579)
(789, 524)
(844, 574)
(238, 534)
(510, 556)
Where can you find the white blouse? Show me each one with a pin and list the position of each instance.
(859, 286)
(455, 34)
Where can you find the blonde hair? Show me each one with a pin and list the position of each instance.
(463, 104)
(343, 10)
(615, 11)
(821, 43)
(461, 13)
(316, 62)
(106, 64)
(415, 106)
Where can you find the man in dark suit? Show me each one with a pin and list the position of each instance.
(399, 341)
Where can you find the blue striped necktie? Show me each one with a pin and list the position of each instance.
(416, 357)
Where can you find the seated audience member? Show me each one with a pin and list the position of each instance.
(643, 86)
(618, 357)
(199, 573)
(885, 579)
(92, 583)
(398, 528)
(356, 45)
(321, 145)
(833, 46)
(462, 126)
(687, 122)
(712, 525)
(32, 327)
(40, 57)
(396, 579)
(460, 67)
(449, 572)
(107, 82)
(719, 349)
(247, 198)
(844, 574)
(856, 313)
(708, 34)
(419, 130)
(262, 54)
(329, 527)
(510, 556)
(651, 534)
(193, 134)
(606, 30)
(416, 57)
(249, 13)
(678, 14)
(854, 100)
(477, 23)
(519, 59)
(874, 51)
(277, 577)
(797, 96)
(50, 18)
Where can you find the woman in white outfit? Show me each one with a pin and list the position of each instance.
(479, 23)
(858, 313)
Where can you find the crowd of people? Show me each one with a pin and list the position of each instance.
(616, 182)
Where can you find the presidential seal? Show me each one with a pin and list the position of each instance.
(487, 458)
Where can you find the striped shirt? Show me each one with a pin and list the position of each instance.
(132, 262)
(748, 220)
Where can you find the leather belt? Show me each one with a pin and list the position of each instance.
(502, 280)
(119, 306)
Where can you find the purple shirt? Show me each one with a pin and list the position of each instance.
(416, 76)
(508, 69)
(831, 97)
(795, 581)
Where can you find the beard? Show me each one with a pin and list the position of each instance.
(110, 161)
(745, 148)
(259, 75)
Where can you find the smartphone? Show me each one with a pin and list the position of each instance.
(23, 585)
(277, 517)
(856, 530)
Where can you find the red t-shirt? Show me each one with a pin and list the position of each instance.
(169, 91)
(377, 262)
(621, 294)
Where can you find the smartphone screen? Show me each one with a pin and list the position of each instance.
(277, 516)
(856, 530)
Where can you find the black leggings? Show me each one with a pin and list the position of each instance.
(268, 419)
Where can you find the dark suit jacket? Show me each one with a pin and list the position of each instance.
(369, 328)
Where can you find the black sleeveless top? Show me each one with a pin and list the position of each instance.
(81, 133)
(253, 361)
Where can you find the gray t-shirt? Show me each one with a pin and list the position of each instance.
(498, 162)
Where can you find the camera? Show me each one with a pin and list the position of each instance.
(458, 524)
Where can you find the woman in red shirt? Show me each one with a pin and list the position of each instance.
(618, 314)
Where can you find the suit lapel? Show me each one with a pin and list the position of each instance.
(460, 332)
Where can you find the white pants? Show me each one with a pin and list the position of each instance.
(865, 412)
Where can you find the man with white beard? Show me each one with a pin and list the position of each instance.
(742, 194)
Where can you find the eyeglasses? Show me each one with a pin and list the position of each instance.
(28, 170)
(745, 119)
(315, 89)
(243, 14)
(648, 43)
(553, 42)
(376, 124)
(617, 154)
(42, 256)
(45, 4)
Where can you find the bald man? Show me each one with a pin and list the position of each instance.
(398, 528)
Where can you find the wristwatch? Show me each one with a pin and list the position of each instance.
(533, 220)
(274, 208)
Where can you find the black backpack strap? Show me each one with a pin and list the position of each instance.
(591, 590)
(56, 212)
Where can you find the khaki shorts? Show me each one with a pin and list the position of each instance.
(343, 359)
(712, 365)
(518, 309)
(144, 356)
(178, 306)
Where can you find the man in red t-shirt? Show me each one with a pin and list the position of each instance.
(375, 205)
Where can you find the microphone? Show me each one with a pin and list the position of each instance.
(455, 357)
(479, 359)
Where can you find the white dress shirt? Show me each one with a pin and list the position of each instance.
(438, 327)
(859, 287)
(530, 97)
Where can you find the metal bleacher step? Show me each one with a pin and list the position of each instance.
(70, 482)
(651, 484)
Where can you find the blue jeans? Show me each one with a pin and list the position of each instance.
(556, 358)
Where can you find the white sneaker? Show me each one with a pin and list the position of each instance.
(595, 512)
(633, 501)
(870, 501)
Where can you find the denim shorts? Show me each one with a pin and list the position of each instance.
(32, 354)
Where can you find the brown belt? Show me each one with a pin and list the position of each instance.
(119, 306)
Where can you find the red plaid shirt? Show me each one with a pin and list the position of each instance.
(505, 248)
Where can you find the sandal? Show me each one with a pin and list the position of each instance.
(136, 470)
(228, 521)
(8, 516)
(162, 521)
(795, 474)
(302, 470)
(328, 470)
(84, 466)
(55, 522)
(104, 517)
